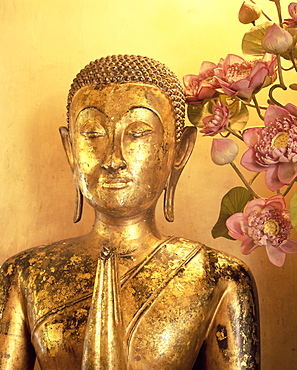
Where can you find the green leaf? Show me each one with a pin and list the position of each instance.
(233, 202)
(198, 112)
(239, 114)
(252, 40)
(293, 211)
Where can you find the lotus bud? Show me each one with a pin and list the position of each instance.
(223, 151)
(277, 40)
(248, 13)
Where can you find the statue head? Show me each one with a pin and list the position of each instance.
(126, 139)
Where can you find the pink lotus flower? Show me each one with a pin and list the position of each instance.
(292, 22)
(277, 40)
(242, 78)
(201, 86)
(216, 122)
(273, 148)
(264, 223)
(223, 151)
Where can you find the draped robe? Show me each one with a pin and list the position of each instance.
(184, 303)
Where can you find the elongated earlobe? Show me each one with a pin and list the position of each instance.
(183, 152)
(78, 205)
(64, 132)
(65, 137)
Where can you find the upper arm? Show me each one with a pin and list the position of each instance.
(16, 350)
(232, 341)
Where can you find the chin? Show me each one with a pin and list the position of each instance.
(121, 209)
(118, 203)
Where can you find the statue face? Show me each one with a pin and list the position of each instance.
(123, 144)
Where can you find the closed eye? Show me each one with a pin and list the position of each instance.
(93, 129)
(93, 134)
(140, 133)
(139, 129)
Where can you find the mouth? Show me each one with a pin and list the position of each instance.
(117, 183)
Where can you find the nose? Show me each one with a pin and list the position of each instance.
(114, 165)
(114, 160)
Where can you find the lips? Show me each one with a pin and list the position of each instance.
(115, 183)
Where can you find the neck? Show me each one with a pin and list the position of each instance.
(128, 235)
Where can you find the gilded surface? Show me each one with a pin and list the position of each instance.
(183, 296)
(125, 296)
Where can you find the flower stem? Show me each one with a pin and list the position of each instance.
(275, 102)
(279, 12)
(236, 169)
(253, 106)
(293, 60)
(254, 178)
(257, 108)
(288, 188)
(290, 68)
(280, 72)
(233, 133)
(264, 13)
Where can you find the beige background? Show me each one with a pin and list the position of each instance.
(43, 45)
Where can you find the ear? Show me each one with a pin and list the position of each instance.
(64, 133)
(183, 152)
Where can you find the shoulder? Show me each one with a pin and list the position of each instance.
(224, 263)
(231, 272)
(48, 275)
(59, 255)
(216, 265)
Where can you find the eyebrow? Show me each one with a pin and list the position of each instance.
(129, 110)
(93, 107)
(148, 108)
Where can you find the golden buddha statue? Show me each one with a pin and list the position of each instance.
(124, 296)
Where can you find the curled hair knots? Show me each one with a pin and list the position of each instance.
(132, 68)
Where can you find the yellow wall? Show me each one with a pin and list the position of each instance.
(43, 45)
